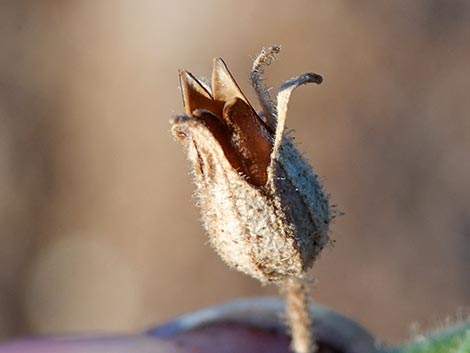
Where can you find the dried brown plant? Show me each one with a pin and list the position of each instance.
(263, 207)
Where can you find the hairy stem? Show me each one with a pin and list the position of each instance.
(298, 315)
(264, 58)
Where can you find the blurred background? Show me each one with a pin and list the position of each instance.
(99, 231)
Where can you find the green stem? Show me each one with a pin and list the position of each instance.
(451, 340)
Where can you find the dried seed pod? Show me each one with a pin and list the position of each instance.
(262, 205)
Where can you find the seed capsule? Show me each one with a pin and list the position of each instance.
(263, 207)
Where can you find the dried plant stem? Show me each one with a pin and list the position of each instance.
(264, 208)
(298, 315)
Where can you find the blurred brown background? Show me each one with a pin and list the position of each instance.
(98, 228)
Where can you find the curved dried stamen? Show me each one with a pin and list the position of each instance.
(264, 58)
(283, 97)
